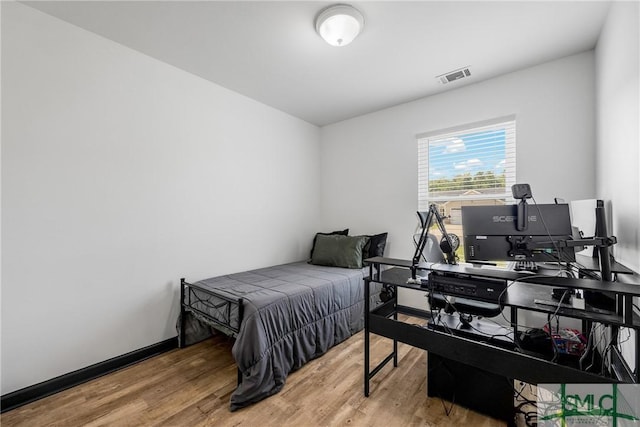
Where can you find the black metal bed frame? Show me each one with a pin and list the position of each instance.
(188, 300)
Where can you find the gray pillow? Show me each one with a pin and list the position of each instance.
(344, 232)
(339, 251)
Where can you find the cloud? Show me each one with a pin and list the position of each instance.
(451, 145)
(501, 164)
(456, 145)
(468, 164)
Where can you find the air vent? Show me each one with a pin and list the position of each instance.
(454, 75)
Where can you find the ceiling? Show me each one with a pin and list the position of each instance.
(269, 51)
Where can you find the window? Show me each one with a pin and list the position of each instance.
(470, 165)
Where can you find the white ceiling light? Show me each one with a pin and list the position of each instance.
(339, 24)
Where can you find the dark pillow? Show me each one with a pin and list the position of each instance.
(375, 246)
(339, 251)
(339, 232)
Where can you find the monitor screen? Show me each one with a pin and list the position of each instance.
(491, 233)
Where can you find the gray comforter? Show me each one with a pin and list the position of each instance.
(292, 314)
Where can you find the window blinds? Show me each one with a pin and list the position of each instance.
(469, 164)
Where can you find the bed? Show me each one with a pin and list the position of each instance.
(283, 316)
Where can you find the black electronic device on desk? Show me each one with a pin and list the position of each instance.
(469, 291)
(466, 285)
(491, 233)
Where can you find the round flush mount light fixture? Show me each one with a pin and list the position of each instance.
(339, 24)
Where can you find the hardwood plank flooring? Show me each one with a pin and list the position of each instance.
(192, 386)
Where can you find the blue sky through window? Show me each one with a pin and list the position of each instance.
(467, 153)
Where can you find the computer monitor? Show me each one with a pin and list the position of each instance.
(492, 233)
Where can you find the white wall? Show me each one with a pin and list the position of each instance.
(618, 123)
(369, 163)
(121, 174)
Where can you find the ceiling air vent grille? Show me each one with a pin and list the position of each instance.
(454, 75)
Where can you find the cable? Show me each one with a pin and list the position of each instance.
(587, 348)
(432, 310)
(490, 336)
(519, 392)
(438, 320)
(555, 245)
(581, 269)
(451, 332)
(549, 318)
(529, 416)
(604, 357)
(510, 321)
(595, 346)
(625, 340)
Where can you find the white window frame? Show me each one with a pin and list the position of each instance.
(423, 143)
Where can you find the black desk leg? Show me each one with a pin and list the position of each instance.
(183, 313)
(395, 341)
(366, 336)
(637, 357)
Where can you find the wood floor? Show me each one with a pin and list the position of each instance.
(191, 387)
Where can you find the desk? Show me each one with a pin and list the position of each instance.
(593, 264)
(499, 360)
